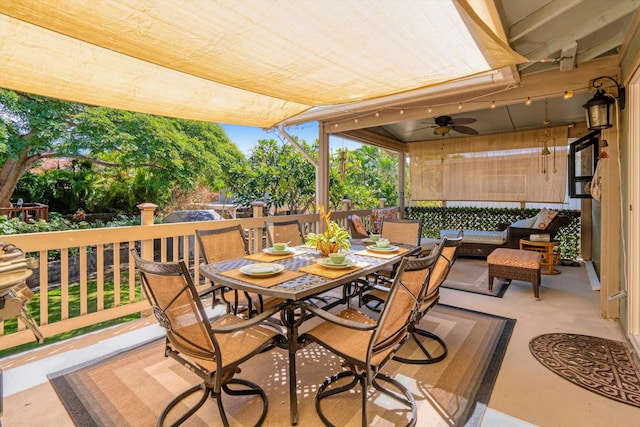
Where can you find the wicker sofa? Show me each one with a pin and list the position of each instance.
(477, 243)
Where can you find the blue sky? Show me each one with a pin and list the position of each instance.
(245, 137)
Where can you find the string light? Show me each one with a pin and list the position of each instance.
(402, 111)
(493, 104)
(429, 110)
(568, 94)
(377, 114)
(528, 101)
(460, 106)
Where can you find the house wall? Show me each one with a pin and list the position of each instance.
(629, 317)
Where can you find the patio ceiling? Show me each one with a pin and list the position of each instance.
(567, 44)
(253, 63)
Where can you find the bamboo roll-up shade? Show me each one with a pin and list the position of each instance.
(501, 167)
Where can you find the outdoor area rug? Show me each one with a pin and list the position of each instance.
(132, 388)
(471, 275)
(599, 365)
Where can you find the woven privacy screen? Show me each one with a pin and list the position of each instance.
(245, 62)
(503, 167)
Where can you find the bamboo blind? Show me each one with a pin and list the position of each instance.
(501, 167)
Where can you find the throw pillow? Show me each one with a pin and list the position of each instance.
(357, 225)
(524, 223)
(544, 218)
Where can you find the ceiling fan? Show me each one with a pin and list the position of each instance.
(445, 124)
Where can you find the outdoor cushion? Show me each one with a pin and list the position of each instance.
(477, 236)
(525, 223)
(544, 218)
(357, 224)
(385, 213)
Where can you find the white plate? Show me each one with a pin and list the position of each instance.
(262, 269)
(374, 248)
(326, 262)
(272, 251)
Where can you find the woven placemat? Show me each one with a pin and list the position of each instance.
(389, 255)
(332, 273)
(265, 282)
(266, 257)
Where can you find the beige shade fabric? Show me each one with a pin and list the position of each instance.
(246, 62)
(503, 167)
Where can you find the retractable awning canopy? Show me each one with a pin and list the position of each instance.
(253, 63)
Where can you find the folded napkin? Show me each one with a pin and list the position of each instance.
(332, 273)
(385, 255)
(265, 282)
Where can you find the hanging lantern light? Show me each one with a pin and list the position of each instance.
(599, 111)
(598, 108)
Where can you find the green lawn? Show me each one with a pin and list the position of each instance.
(55, 311)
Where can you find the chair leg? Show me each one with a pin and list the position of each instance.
(205, 394)
(251, 389)
(404, 396)
(323, 392)
(414, 333)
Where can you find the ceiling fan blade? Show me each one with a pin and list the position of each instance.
(424, 127)
(465, 129)
(464, 121)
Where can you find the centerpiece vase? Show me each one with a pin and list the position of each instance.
(328, 248)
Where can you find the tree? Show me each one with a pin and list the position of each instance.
(281, 177)
(166, 152)
(276, 174)
(30, 130)
(371, 174)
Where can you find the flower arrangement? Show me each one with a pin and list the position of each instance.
(334, 239)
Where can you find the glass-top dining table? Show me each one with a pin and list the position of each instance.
(304, 274)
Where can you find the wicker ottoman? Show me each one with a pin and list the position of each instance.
(515, 264)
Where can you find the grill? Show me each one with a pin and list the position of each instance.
(15, 268)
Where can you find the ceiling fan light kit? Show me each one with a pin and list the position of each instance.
(445, 124)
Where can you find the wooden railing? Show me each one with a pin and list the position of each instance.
(103, 255)
(27, 211)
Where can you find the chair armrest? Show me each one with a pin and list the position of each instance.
(252, 321)
(332, 318)
(556, 224)
(514, 234)
(501, 226)
(210, 290)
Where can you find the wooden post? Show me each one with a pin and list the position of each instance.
(258, 209)
(383, 202)
(255, 235)
(346, 204)
(146, 218)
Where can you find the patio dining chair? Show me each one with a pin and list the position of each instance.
(367, 345)
(285, 231)
(213, 350)
(446, 256)
(227, 243)
(407, 231)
